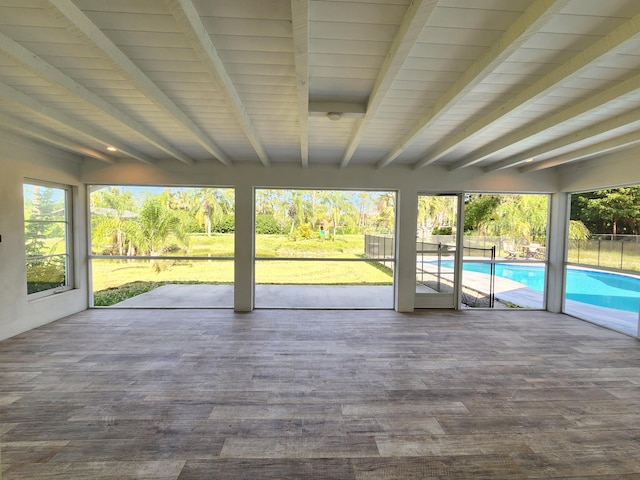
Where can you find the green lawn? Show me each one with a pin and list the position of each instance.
(115, 280)
(610, 255)
(344, 246)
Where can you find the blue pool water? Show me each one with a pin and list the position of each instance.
(603, 289)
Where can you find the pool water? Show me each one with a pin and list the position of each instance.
(603, 289)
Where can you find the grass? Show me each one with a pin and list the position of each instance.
(217, 245)
(111, 296)
(117, 280)
(611, 255)
(344, 246)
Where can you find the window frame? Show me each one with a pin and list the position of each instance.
(67, 224)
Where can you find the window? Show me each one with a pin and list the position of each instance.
(47, 232)
(602, 278)
(157, 246)
(324, 248)
(505, 254)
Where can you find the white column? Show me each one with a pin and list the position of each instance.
(556, 247)
(243, 291)
(405, 273)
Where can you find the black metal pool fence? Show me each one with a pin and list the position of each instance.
(606, 250)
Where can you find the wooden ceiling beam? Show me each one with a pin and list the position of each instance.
(300, 24)
(563, 115)
(79, 126)
(563, 73)
(48, 72)
(13, 123)
(189, 20)
(410, 29)
(519, 32)
(581, 135)
(600, 148)
(96, 37)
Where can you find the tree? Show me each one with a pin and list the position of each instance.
(519, 216)
(296, 209)
(210, 211)
(578, 230)
(620, 207)
(479, 210)
(436, 211)
(385, 212)
(336, 203)
(613, 211)
(155, 224)
(112, 218)
(36, 227)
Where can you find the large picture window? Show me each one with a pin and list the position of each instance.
(47, 228)
(324, 248)
(162, 246)
(602, 278)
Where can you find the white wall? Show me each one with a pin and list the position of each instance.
(614, 170)
(20, 159)
(430, 179)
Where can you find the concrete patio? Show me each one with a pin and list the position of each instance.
(267, 296)
(361, 297)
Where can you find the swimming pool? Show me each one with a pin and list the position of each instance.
(603, 289)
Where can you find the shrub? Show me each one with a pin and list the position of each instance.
(44, 275)
(227, 225)
(267, 224)
(302, 232)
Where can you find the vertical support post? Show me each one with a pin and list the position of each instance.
(558, 225)
(243, 292)
(405, 250)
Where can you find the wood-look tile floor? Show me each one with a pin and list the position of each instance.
(359, 395)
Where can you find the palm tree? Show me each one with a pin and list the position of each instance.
(523, 216)
(112, 215)
(155, 224)
(210, 211)
(336, 201)
(296, 209)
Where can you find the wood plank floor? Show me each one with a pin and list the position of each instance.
(359, 395)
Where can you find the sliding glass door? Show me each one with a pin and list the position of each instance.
(437, 262)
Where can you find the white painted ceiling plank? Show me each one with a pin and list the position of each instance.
(412, 25)
(591, 103)
(564, 72)
(31, 130)
(189, 19)
(600, 148)
(52, 74)
(80, 21)
(528, 24)
(71, 122)
(581, 135)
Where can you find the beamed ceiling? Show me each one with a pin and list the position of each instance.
(494, 84)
